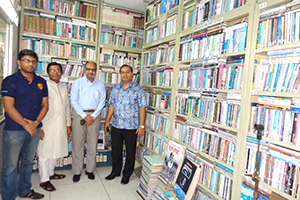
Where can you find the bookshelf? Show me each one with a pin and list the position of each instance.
(279, 147)
(74, 32)
(231, 92)
(61, 31)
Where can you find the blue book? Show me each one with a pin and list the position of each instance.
(233, 69)
(242, 40)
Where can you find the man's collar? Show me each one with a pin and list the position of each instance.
(20, 75)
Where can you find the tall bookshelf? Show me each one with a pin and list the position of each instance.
(231, 92)
(74, 32)
(280, 147)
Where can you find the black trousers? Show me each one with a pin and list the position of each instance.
(117, 138)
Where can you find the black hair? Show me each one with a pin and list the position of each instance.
(53, 63)
(27, 52)
(125, 65)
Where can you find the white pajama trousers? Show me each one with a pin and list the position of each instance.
(46, 168)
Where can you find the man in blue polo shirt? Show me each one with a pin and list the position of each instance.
(25, 100)
(128, 105)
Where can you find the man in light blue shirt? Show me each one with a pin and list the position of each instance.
(88, 100)
(128, 106)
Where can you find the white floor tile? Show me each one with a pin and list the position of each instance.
(93, 190)
(87, 189)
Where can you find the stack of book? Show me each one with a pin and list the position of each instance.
(152, 166)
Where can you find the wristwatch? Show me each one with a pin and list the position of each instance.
(37, 121)
(142, 126)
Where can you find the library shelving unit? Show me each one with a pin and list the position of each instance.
(216, 96)
(74, 32)
(121, 34)
(274, 97)
(61, 31)
(157, 73)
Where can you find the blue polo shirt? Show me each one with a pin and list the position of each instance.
(28, 97)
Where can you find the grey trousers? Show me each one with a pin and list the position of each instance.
(79, 135)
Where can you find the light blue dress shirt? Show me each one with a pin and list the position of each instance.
(87, 95)
(126, 104)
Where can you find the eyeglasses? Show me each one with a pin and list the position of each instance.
(29, 61)
(55, 70)
(89, 69)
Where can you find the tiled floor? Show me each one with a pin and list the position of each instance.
(87, 189)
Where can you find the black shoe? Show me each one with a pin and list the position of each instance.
(112, 176)
(90, 175)
(124, 180)
(33, 195)
(76, 178)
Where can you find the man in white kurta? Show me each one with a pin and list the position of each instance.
(56, 127)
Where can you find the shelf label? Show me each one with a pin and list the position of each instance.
(262, 5)
(208, 23)
(258, 50)
(253, 92)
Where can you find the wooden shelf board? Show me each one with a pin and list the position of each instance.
(234, 14)
(160, 41)
(57, 38)
(59, 14)
(120, 48)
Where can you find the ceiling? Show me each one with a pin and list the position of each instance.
(132, 4)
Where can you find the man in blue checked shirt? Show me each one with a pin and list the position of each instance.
(88, 100)
(128, 106)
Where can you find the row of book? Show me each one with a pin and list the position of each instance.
(156, 142)
(279, 166)
(118, 58)
(157, 121)
(73, 8)
(67, 161)
(216, 143)
(159, 7)
(279, 26)
(220, 39)
(162, 54)
(215, 75)
(59, 49)
(68, 69)
(158, 76)
(196, 13)
(123, 18)
(220, 108)
(158, 30)
(280, 123)
(114, 77)
(216, 178)
(280, 74)
(121, 37)
(47, 24)
(159, 99)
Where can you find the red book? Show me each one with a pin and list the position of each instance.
(80, 10)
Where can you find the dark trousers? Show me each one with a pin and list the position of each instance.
(117, 138)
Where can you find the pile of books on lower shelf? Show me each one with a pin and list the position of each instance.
(152, 166)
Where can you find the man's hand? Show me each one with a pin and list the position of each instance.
(42, 135)
(69, 131)
(140, 132)
(107, 126)
(89, 120)
(30, 127)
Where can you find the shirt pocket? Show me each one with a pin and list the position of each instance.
(96, 94)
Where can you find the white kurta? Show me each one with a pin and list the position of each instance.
(55, 144)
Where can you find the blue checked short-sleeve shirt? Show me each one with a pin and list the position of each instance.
(126, 104)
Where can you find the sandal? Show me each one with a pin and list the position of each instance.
(48, 186)
(33, 195)
(57, 176)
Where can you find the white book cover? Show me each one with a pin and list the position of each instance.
(174, 155)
